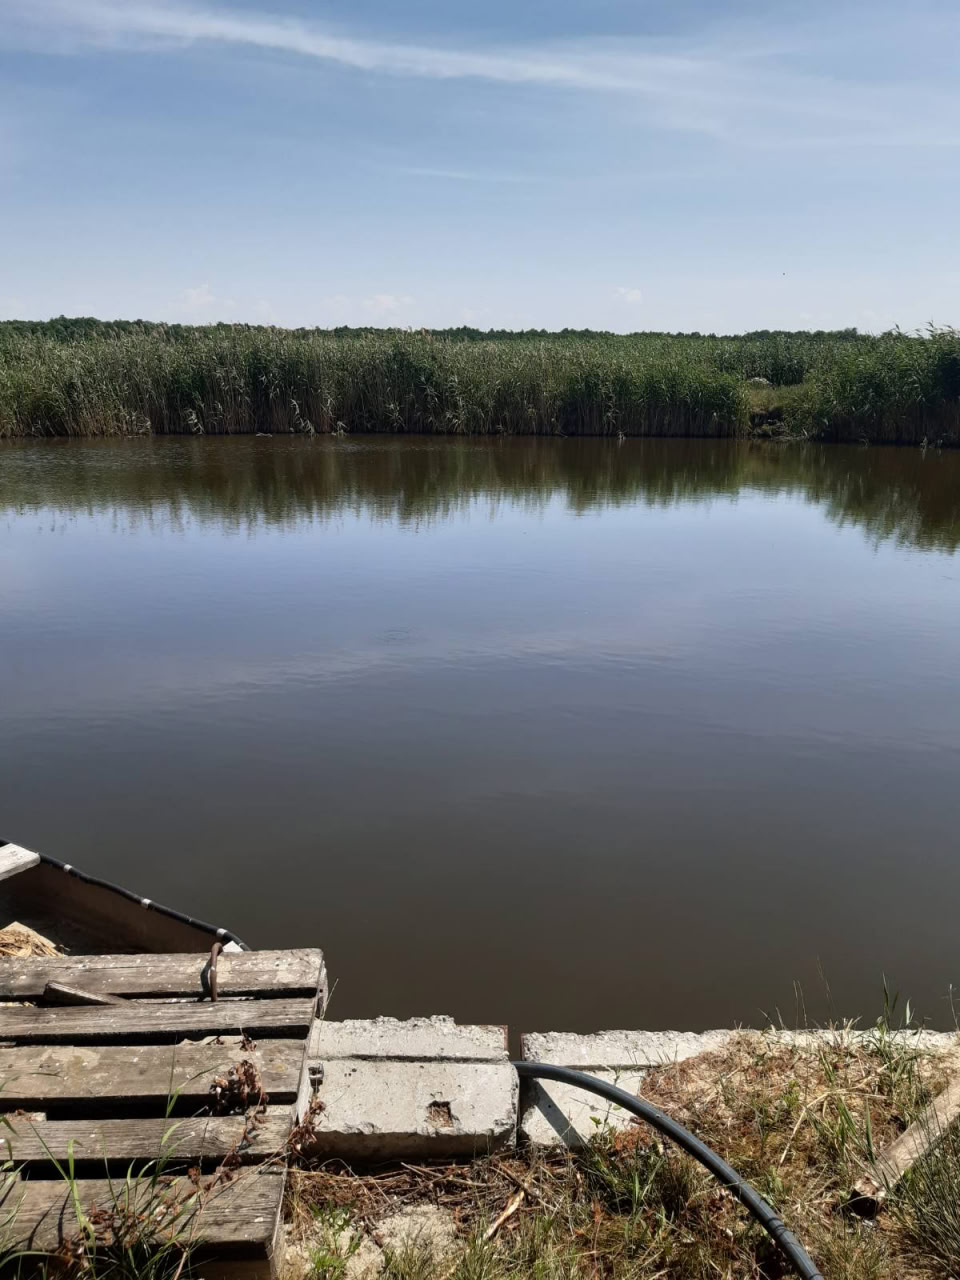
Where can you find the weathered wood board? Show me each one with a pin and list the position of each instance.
(240, 1215)
(156, 1021)
(39, 1077)
(243, 973)
(59, 993)
(197, 1139)
(14, 859)
(917, 1141)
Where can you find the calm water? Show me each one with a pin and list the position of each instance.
(566, 734)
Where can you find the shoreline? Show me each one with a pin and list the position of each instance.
(83, 379)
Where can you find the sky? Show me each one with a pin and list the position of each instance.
(712, 165)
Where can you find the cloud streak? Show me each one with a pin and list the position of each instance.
(106, 22)
(729, 93)
(199, 304)
(469, 175)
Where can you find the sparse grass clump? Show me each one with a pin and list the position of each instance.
(142, 1230)
(927, 1206)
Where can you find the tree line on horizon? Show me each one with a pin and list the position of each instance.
(77, 328)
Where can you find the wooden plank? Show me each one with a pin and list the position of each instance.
(903, 1153)
(156, 1021)
(41, 1078)
(14, 859)
(236, 1220)
(195, 1139)
(58, 993)
(244, 973)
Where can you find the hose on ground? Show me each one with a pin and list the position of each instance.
(787, 1242)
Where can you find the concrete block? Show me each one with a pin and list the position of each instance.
(412, 1040)
(376, 1109)
(555, 1113)
(620, 1048)
(552, 1113)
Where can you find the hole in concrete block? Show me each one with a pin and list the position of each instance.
(440, 1115)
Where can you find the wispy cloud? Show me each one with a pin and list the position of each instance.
(201, 298)
(200, 304)
(750, 93)
(387, 304)
(468, 175)
(344, 308)
(630, 295)
(106, 22)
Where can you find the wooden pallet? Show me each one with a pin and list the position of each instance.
(119, 1086)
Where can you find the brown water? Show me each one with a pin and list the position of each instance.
(555, 733)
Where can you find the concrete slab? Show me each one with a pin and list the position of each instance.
(619, 1048)
(560, 1113)
(411, 1040)
(378, 1109)
(552, 1113)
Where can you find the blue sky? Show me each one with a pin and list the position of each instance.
(622, 164)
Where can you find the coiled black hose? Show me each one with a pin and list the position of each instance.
(748, 1197)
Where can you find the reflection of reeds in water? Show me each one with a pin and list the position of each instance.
(905, 495)
(93, 381)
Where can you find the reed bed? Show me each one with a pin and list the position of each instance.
(80, 378)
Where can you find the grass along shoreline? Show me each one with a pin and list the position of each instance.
(800, 1117)
(801, 1121)
(82, 378)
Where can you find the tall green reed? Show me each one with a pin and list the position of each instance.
(92, 380)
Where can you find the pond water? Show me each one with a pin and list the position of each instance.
(559, 733)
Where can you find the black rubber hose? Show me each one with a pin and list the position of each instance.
(748, 1197)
